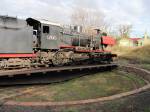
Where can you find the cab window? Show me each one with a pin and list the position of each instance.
(34, 32)
(45, 29)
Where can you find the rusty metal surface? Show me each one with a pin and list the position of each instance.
(51, 69)
(53, 76)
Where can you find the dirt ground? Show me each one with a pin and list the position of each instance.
(136, 103)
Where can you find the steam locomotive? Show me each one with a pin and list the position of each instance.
(34, 42)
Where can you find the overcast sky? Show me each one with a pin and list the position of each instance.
(135, 12)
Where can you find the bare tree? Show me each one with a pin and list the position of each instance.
(125, 30)
(89, 19)
(79, 17)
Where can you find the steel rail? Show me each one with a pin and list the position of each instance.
(88, 101)
(12, 73)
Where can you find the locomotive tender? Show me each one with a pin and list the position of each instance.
(33, 42)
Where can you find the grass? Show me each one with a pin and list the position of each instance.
(147, 109)
(139, 56)
(139, 52)
(145, 66)
(87, 87)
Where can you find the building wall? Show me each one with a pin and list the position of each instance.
(125, 43)
(146, 40)
(131, 43)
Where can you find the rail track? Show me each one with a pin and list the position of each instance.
(11, 73)
(145, 74)
(48, 75)
(26, 90)
(17, 86)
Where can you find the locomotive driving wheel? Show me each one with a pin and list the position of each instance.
(59, 59)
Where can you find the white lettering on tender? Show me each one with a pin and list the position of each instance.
(50, 37)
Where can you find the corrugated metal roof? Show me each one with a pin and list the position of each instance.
(135, 39)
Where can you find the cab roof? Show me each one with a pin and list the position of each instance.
(44, 21)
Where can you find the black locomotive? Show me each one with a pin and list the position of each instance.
(33, 42)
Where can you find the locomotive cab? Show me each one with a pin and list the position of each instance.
(36, 32)
(48, 33)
